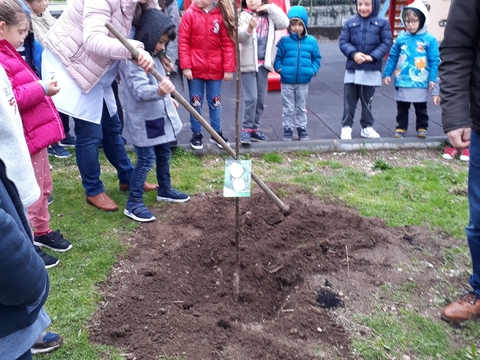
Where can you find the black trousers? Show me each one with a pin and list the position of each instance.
(351, 94)
(420, 112)
(65, 122)
(26, 356)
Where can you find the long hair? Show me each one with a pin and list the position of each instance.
(226, 7)
(11, 13)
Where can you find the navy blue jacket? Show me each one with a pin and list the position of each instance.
(298, 58)
(24, 281)
(33, 48)
(371, 36)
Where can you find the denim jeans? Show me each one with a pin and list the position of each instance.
(89, 136)
(196, 89)
(26, 356)
(420, 112)
(473, 228)
(294, 97)
(146, 156)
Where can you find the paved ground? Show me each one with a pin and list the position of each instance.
(325, 109)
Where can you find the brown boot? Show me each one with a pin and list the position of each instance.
(102, 202)
(464, 309)
(146, 187)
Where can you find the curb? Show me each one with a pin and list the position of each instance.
(334, 145)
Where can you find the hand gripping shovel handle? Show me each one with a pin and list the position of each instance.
(200, 119)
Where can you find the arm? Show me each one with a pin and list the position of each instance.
(172, 47)
(277, 65)
(458, 51)
(345, 44)
(228, 53)
(278, 16)
(392, 60)
(184, 36)
(316, 58)
(385, 43)
(138, 82)
(243, 35)
(433, 58)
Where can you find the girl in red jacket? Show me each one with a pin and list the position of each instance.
(41, 123)
(207, 55)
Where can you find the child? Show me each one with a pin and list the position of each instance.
(151, 120)
(414, 59)
(207, 55)
(364, 40)
(256, 33)
(298, 60)
(41, 123)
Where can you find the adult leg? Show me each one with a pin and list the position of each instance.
(214, 100)
(351, 93)
(65, 122)
(422, 115)
(89, 136)
(196, 88)
(114, 147)
(402, 115)
(366, 98)
(250, 96)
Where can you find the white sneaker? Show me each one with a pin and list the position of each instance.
(346, 133)
(369, 133)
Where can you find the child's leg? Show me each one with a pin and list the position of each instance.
(214, 99)
(250, 95)
(145, 160)
(300, 104)
(196, 90)
(351, 93)
(366, 98)
(262, 89)
(288, 105)
(163, 155)
(38, 214)
(402, 115)
(422, 115)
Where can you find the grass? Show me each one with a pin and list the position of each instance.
(418, 195)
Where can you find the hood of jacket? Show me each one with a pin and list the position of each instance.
(418, 5)
(375, 8)
(300, 13)
(153, 23)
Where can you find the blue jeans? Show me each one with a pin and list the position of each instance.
(146, 156)
(473, 228)
(89, 136)
(196, 89)
(26, 356)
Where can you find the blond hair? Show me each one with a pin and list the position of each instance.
(11, 13)
(226, 7)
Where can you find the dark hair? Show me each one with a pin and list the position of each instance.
(244, 3)
(171, 33)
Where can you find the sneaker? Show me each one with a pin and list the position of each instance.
(450, 153)
(47, 342)
(369, 133)
(302, 133)
(258, 136)
(465, 155)
(58, 151)
(287, 134)
(196, 141)
(50, 200)
(399, 133)
(48, 260)
(245, 138)
(53, 240)
(213, 141)
(346, 133)
(422, 133)
(69, 141)
(172, 195)
(138, 212)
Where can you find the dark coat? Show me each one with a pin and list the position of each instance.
(371, 36)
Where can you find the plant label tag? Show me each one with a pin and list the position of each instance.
(237, 178)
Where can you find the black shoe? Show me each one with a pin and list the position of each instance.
(69, 141)
(302, 133)
(50, 200)
(213, 141)
(48, 260)
(53, 240)
(196, 141)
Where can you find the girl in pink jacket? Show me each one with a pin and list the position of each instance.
(41, 123)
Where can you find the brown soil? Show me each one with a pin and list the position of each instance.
(302, 276)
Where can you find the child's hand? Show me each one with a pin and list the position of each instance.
(144, 60)
(387, 80)
(359, 58)
(165, 87)
(53, 87)
(227, 76)
(175, 103)
(368, 58)
(167, 65)
(431, 85)
(188, 74)
(252, 24)
(436, 99)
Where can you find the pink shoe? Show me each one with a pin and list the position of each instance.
(465, 155)
(450, 153)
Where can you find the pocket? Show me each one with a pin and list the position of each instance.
(155, 128)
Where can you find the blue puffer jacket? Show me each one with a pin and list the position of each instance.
(298, 58)
(371, 36)
(414, 58)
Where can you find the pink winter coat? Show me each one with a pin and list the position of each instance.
(204, 45)
(83, 44)
(41, 123)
